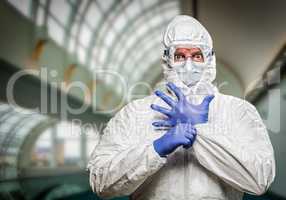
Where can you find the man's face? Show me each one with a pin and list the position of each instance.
(182, 54)
(189, 64)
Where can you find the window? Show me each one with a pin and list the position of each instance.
(85, 35)
(60, 10)
(93, 15)
(56, 31)
(22, 6)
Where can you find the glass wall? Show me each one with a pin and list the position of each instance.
(62, 144)
(15, 125)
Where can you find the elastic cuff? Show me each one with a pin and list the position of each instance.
(155, 158)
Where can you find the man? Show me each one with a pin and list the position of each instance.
(193, 143)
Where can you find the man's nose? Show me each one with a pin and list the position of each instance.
(189, 63)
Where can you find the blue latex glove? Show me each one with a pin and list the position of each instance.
(183, 134)
(181, 111)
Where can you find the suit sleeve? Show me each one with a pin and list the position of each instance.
(120, 163)
(240, 154)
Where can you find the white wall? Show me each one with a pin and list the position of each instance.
(247, 34)
(272, 108)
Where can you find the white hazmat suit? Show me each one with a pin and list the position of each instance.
(232, 153)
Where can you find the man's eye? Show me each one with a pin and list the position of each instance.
(179, 57)
(198, 57)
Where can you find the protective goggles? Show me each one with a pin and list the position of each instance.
(179, 54)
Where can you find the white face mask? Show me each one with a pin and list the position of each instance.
(189, 72)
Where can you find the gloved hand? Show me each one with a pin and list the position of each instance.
(183, 134)
(181, 111)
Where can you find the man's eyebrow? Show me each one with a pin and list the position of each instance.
(179, 53)
(197, 53)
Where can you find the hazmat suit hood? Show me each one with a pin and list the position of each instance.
(184, 30)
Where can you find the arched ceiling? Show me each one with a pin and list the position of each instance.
(122, 36)
(125, 36)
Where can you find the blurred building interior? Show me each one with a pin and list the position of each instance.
(52, 57)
